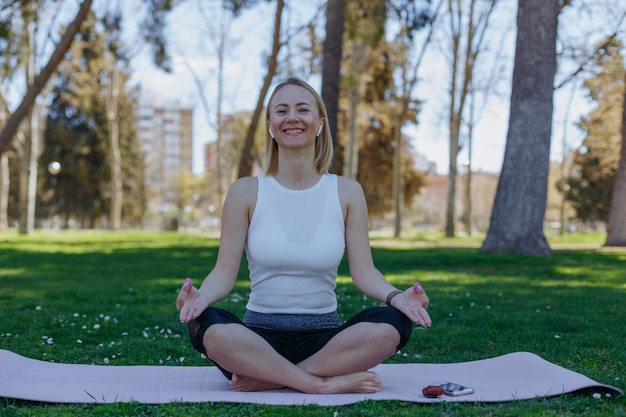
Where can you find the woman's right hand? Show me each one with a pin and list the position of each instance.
(190, 302)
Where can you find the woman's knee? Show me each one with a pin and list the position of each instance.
(216, 336)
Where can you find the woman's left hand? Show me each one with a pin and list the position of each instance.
(413, 302)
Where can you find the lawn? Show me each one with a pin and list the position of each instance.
(108, 298)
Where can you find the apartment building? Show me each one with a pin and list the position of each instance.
(166, 134)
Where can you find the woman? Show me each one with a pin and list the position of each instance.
(295, 223)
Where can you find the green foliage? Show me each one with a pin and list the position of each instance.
(14, 15)
(152, 29)
(591, 185)
(100, 297)
(365, 21)
(379, 106)
(77, 132)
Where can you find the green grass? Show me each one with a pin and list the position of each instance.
(108, 298)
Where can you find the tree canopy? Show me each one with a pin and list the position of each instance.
(590, 187)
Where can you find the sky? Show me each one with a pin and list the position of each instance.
(192, 48)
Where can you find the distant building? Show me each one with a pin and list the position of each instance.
(429, 211)
(165, 132)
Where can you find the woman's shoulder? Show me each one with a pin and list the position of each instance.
(245, 183)
(243, 188)
(348, 185)
(350, 191)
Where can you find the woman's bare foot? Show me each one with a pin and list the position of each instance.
(359, 382)
(245, 384)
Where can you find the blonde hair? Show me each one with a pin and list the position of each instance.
(323, 143)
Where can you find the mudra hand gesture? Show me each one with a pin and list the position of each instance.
(190, 302)
(413, 302)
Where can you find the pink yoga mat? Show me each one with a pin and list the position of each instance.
(515, 376)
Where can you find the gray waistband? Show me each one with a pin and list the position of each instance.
(292, 321)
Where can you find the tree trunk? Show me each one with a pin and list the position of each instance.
(40, 81)
(616, 227)
(30, 153)
(245, 164)
(397, 166)
(452, 176)
(115, 214)
(358, 65)
(331, 63)
(519, 208)
(28, 175)
(5, 182)
(462, 74)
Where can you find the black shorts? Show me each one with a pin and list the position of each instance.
(297, 345)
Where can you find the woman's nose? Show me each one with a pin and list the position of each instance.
(292, 115)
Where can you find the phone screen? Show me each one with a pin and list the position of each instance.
(453, 389)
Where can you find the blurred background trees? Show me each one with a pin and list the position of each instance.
(66, 97)
(590, 186)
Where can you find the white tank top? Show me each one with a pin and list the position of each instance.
(296, 240)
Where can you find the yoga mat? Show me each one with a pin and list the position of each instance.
(515, 376)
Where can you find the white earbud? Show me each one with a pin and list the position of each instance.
(271, 133)
(319, 130)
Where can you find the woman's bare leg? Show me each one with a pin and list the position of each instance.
(340, 367)
(357, 348)
(257, 366)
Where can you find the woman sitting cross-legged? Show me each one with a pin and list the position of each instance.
(295, 222)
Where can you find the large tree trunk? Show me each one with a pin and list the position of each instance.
(616, 228)
(331, 63)
(40, 81)
(245, 164)
(518, 212)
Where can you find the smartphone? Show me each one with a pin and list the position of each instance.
(452, 389)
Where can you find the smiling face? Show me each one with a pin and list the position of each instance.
(295, 112)
(294, 117)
